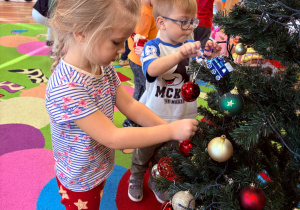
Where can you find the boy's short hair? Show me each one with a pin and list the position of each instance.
(164, 7)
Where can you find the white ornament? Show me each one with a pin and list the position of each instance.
(181, 200)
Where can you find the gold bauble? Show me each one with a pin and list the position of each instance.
(220, 149)
(240, 49)
(183, 198)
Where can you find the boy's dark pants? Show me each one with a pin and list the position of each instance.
(202, 34)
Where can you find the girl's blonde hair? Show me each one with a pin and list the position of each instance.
(96, 18)
(164, 7)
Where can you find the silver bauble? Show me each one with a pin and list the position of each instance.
(155, 172)
(240, 49)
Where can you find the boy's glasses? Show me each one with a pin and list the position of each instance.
(185, 24)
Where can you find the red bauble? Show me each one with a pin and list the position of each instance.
(166, 206)
(190, 91)
(165, 168)
(185, 147)
(252, 198)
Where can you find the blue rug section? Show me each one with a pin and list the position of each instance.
(110, 189)
(117, 66)
(202, 83)
(49, 198)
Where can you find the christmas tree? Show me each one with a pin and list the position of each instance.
(246, 154)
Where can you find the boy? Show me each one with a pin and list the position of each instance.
(165, 61)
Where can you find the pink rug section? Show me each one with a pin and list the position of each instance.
(130, 90)
(23, 175)
(34, 48)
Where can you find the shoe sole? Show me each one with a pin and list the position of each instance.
(157, 198)
(134, 199)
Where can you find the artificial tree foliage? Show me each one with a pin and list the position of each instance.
(266, 134)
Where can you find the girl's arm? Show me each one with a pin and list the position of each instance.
(100, 128)
(135, 110)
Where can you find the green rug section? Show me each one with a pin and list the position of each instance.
(11, 59)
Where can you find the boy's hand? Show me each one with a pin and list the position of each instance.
(183, 129)
(212, 49)
(189, 50)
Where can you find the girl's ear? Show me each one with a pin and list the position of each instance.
(160, 23)
(79, 36)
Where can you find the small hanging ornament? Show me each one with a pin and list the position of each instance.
(166, 206)
(155, 172)
(183, 200)
(263, 177)
(165, 168)
(240, 49)
(219, 67)
(252, 198)
(207, 121)
(220, 149)
(229, 180)
(185, 147)
(193, 159)
(231, 103)
(190, 91)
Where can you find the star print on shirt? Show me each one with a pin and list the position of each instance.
(81, 205)
(63, 193)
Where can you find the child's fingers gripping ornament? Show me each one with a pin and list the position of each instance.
(218, 65)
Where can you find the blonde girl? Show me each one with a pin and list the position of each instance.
(82, 92)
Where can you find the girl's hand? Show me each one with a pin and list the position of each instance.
(189, 50)
(212, 49)
(183, 129)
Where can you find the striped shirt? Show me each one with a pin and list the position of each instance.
(81, 163)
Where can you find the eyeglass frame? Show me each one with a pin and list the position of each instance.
(192, 22)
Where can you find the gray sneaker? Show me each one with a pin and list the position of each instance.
(135, 189)
(160, 197)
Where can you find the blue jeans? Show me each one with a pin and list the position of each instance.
(127, 51)
(139, 84)
(139, 80)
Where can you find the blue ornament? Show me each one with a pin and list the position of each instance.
(219, 67)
